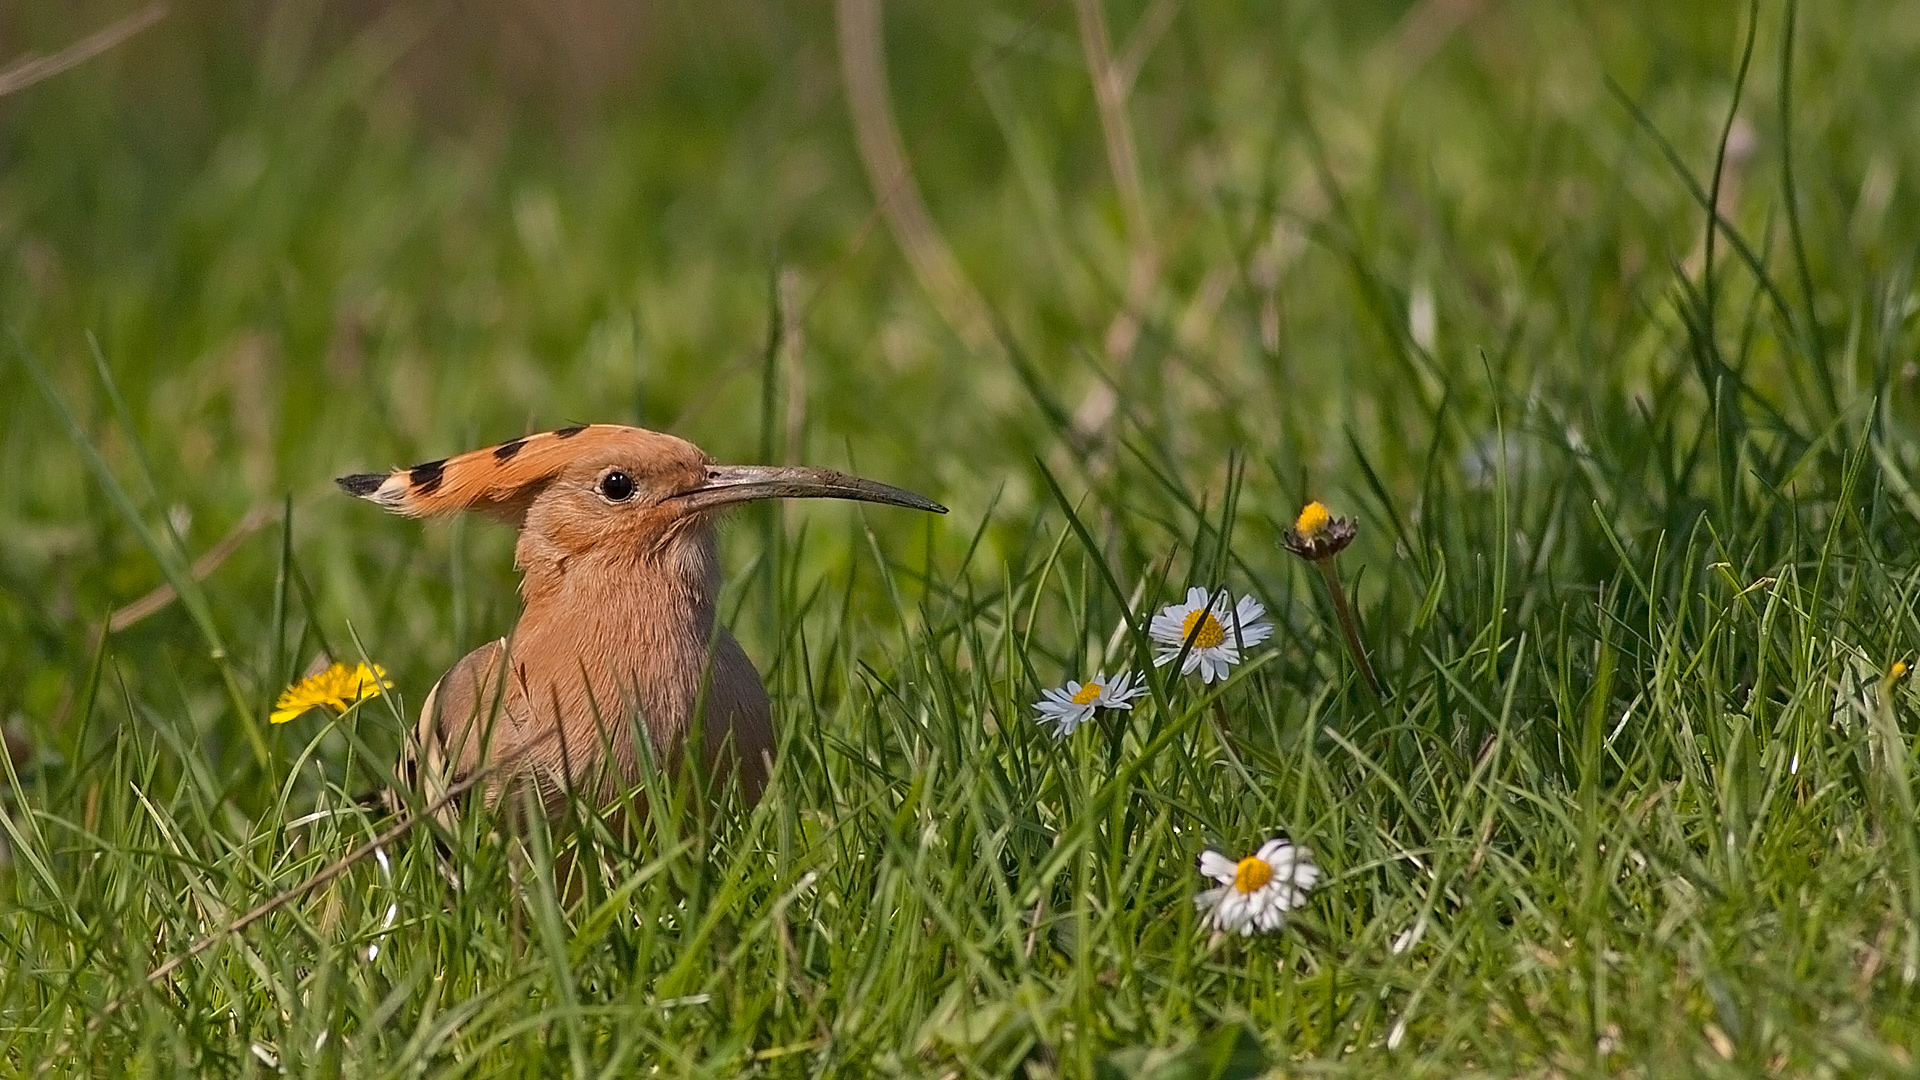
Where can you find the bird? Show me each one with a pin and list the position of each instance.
(617, 641)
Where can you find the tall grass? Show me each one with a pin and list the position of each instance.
(1637, 508)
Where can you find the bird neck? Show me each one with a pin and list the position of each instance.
(626, 625)
(673, 580)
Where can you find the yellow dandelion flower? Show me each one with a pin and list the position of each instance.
(336, 689)
(1897, 672)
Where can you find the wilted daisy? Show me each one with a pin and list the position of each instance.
(1069, 706)
(335, 689)
(1257, 892)
(1217, 630)
(1316, 534)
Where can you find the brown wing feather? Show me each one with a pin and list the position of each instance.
(739, 716)
(472, 713)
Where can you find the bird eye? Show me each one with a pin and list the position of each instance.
(616, 486)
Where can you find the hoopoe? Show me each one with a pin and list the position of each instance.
(617, 637)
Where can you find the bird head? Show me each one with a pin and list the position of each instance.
(605, 487)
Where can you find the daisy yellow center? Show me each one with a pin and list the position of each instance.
(1252, 873)
(1086, 694)
(1312, 521)
(1210, 634)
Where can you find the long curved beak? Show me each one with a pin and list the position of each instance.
(727, 484)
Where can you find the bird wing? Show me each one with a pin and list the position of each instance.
(473, 714)
(739, 717)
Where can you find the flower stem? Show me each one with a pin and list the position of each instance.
(1226, 729)
(1350, 630)
(1115, 731)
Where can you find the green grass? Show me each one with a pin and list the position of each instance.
(1638, 516)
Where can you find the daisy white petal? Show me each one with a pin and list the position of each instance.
(1276, 851)
(1250, 616)
(1121, 692)
(1217, 866)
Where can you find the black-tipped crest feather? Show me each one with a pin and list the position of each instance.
(361, 485)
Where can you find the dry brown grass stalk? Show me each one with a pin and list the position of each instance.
(884, 156)
(30, 69)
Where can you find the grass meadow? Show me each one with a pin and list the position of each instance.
(1124, 283)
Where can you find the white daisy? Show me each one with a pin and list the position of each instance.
(1218, 632)
(1067, 707)
(1257, 892)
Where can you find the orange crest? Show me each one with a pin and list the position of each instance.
(503, 480)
